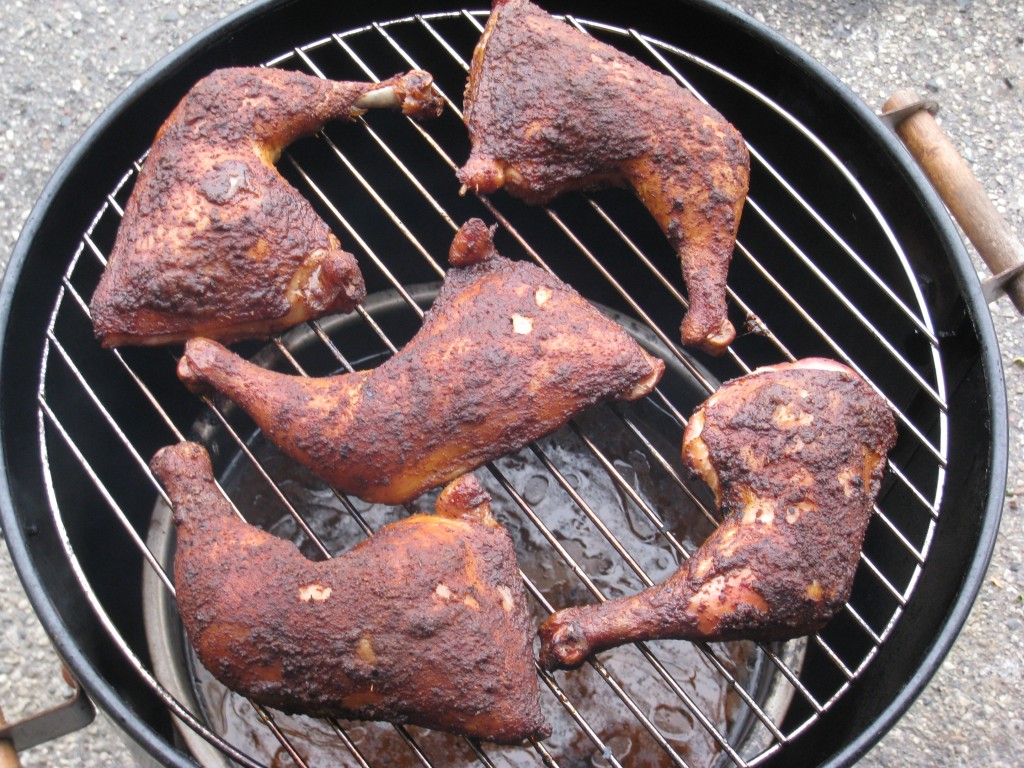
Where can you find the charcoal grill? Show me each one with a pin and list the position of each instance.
(843, 252)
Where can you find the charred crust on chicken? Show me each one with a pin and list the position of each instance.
(795, 454)
(551, 109)
(214, 241)
(425, 623)
(508, 353)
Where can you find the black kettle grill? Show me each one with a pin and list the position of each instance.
(844, 252)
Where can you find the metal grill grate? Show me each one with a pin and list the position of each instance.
(801, 281)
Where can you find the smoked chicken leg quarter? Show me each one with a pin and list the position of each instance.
(551, 109)
(214, 241)
(508, 353)
(426, 622)
(795, 455)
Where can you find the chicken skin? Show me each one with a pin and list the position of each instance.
(550, 109)
(424, 623)
(214, 241)
(795, 455)
(507, 354)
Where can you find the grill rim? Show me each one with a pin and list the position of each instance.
(60, 210)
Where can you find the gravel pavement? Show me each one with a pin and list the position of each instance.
(63, 61)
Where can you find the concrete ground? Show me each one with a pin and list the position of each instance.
(63, 61)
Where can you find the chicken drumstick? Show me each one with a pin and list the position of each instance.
(214, 242)
(550, 109)
(425, 623)
(795, 455)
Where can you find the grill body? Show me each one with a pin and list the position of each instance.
(967, 479)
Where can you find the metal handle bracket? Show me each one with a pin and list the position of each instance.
(894, 117)
(75, 712)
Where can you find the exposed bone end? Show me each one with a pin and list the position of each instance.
(169, 462)
(179, 468)
(207, 365)
(464, 497)
(473, 243)
(483, 175)
(647, 385)
(190, 369)
(385, 97)
(413, 93)
(714, 341)
(418, 96)
(328, 281)
(343, 280)
(563, 643)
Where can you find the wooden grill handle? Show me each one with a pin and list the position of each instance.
(961, 191)
(8, 755)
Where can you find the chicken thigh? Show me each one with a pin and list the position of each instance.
(795, 455)
(551, 109)
(214, 241)
(424, 623)
(507, 354)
